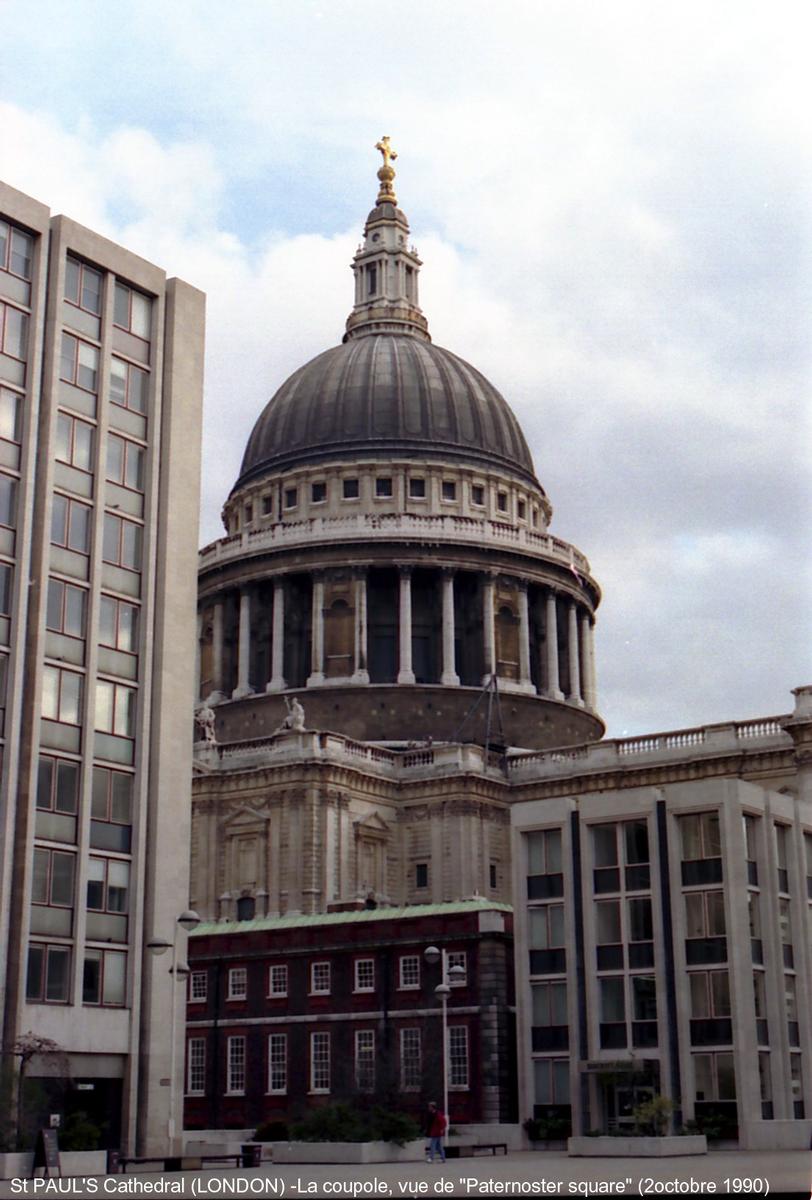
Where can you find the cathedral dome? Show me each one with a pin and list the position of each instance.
(387, 393)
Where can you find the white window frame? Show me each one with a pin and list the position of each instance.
(365, 1060)
(364, 987)
(459, 1064)
(457, 958)
(403, 984)
(282, 970)
(411, 1059)
(277, 1064)
(196, 1066)
(198, 986)
(320, 990)
(235, 974)
(235, 1066)
(320, 1063)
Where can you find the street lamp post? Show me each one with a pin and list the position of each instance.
(443, 989)
(187, 921)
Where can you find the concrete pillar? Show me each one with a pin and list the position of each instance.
(405, 672)
(361, 672)
(586, 660)
(551, 626)
(593, 677)
(277, 681)
(574, 658)
(217, 652)
(197, 655)
(524, 640)
(243, 687)
(317, 634)
(449, 677)
(488, 630)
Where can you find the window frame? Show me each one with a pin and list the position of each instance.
(47, 949)
(358, 964)
(322, 966)
(277, 1086)
(7, 307)
(192, 1066)
(320, 1063)
(107, 886)
(7, 259)
(73, 356)
(364, 1060)
(235, 1065)
(457, 1083)
(198, 994)
(50, 853)
(82, 267)
(54, 584)
(104, 954)
(68, 530)
(410, 1066)
(137, 563)
(235, 975)
(62, 710)
(276, 992)
(129, 448)
(405, 985)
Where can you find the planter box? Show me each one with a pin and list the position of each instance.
(558, 1144)
(636, 1147)
(16, 1164)
(71, 1162)
(347, 1152)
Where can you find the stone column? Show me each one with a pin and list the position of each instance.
(488, 630)
(574, 658)
(449, 677)
(405, 672)
(197, 655)
(217, 652)
(551, 628)
(361, 672)
(586, 659)
(317, 634)
(524, 640)
(243, 687)
(593, 678)
(277, 681)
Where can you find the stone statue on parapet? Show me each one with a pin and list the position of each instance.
(294, 721)
(204, 719)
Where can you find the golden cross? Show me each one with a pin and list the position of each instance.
(386, 150)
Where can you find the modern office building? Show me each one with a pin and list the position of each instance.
(662, 892)
(101, 368)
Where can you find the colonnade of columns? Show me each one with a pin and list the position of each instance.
(577, 685)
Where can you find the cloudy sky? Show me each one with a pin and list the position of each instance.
(612, 202)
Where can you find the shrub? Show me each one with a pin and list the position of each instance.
(272, 1131)
(342, 1123)
(79, 1132)
(653, 1116)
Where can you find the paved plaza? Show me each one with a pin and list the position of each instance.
(519, 1174)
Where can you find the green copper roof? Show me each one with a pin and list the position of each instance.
(298, 921)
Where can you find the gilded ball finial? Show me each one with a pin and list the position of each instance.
(386, 173)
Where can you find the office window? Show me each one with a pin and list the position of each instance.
(278, 979)
(320, 1062)
(383, 487)
(417, 489)
(52, 880)
(6, 582)
(612, 998)
(549, 1004)
(700, 836)
(449, 491)
(421, 875)
(705, 914)
(118, 624)
(11, 405)
(57, 785)
(112, 796)
(122, 542)
(235, 1074)
(13, 331)
(277, 1063)
(365, 974)
(61, 695)
(132, 311)
(411, 1060)
(108, 885)
(351, 491)
(365, 1060)
(237, 983)
(8, 501)
(79, 363)
(125, 462)
(320, 978)
(458, 1056)
(198, 986)
(544, 868)
(16, 250)
(83, 286)
(409, 971)
(714, 1077)
(644, 998)
(128, 385)
(66, 607)
(70, 523)
(115, 708)
(546, 926)
(196, 1067)
(551, 1081)
(104, 977)
(710, 994)
(318, 492)
(48, 977)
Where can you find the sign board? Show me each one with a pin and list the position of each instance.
(46, 1152)
(55, 1120)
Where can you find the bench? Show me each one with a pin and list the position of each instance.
(179, 1162)
(469, 1149)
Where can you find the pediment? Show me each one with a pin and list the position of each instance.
(243, 817)
(372, 825)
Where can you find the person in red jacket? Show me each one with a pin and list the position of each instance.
(436, 1124)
